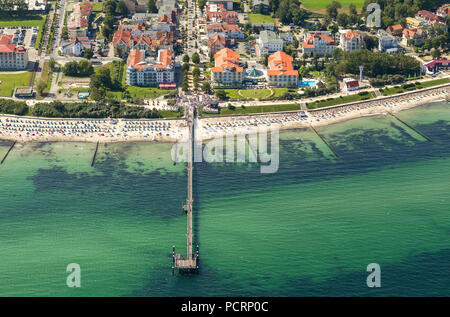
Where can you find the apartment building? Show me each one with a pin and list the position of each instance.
(280, 72)
(150, 73)
(12, 56)
(226, 70)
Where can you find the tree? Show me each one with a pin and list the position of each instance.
(41, 85)
(186, 58)
(52, 64)
(332, 9)
(85, 68)
(88, 53)
(436, 53)
(221, 94)
(342, 19)
(196, 71)
(206, 87)
(122, 8)
(152, 6)
(195, 58)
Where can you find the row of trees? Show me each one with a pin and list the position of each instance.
(288, 11)
(9, 106)
(102, 109)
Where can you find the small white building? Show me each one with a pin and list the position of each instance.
(351, 84)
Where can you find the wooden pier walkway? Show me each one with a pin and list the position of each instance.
(95, 155)
(411, 127)
(190, 262)
(324, 141)
(7, 153)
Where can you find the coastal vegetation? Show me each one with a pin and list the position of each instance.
(364, 95)
(413, 86)
(233, 110)
(9, 106)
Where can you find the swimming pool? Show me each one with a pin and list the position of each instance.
(309, 83)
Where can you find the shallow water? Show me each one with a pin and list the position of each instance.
(309, 229)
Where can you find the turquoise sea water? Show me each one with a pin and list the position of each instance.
(309, 229)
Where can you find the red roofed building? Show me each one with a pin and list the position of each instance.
(12, 56)
(280, 72)
(78, 22)
(318, 43)
(351, 84)
(443, 10)
(229, 30)
(413, 36)
(230, 17)
(216, 43)
(148, 73)
(395, 30)
(437, 65)
(226, 70)
(428, 17)
(350, 41)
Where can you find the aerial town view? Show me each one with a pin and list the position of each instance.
(260, 148)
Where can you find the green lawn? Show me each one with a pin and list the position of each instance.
(341, 100)
(278, 92)
(256, 109)
(97, 6)
(148, 92)
(413, 86)
(32, 20)
(322, 4)
(260, 18)
(255, 93)
(232, 93)
(10, 81)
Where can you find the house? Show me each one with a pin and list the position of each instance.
(227, 4)
(230, 17)
(229, 30)
(76, 46)
(78, 21)
(261, 6)
(413, 23)
(280, 72)
(387, 43)
(268, 42)
(413, 36)
(150, 73)
(350, 41)
(351, 84)
(428, 17)
(320, 43)
(395, 30)
(436, 66)
(444, 10)
(12, 56)
(226, 70)
(270, 26)
(287, 38)
(216, 43)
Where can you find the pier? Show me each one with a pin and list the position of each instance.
(95, 155)
(411, 127)
(188, 263)
(7, 153)
(324, 141)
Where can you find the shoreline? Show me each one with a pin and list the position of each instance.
(33, 129)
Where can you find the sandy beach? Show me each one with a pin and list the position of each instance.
(32, 129)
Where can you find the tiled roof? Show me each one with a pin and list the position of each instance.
(226, 60)
(280, 63)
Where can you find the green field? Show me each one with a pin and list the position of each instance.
(260, 18)
(341, 100)
(255, 93)
(10, 81)
(322, 4)
(418, 85)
